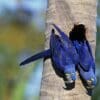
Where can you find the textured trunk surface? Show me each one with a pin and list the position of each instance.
(66, 13)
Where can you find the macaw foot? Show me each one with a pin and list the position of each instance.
(91, 83)
(70, 78)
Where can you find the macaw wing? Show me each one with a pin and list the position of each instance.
(84, 55)
(46, 53)
(67, 43)
(92, 59)
(89, 77)
(60, 53)
(55, 46)
(61, 58)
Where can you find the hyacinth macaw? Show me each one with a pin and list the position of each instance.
(86, 64)
(63, 55)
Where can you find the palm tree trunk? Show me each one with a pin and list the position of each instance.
(66, 13)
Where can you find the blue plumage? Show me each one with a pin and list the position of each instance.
(85, 58)
(89, 77)
(62, 53)
(44, 54)
(86, 64)
(68, 45)
(67, 53)
(61, 57)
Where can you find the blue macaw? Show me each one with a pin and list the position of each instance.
(86, 64)
(63, 54)
(67, 53)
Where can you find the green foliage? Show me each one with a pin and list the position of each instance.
(14, 39)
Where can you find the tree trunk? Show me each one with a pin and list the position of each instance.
(66, 13)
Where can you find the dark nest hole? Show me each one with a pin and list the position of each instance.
(78, 32)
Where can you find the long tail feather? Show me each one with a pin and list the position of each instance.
(60, 31)
(44, 54)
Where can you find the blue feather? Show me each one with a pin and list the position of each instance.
(85, 56)
(64, 55)
(67, 43)
(44, 54)
(92, 58)
(86, 65)
(89, 77)
(62, 52)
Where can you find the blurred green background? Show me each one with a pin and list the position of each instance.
(22, 25)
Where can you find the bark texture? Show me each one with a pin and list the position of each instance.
(66, 13)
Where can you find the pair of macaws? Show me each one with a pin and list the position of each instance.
(68, 54)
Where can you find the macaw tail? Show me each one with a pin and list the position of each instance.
(43, 54)
(63, 35)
